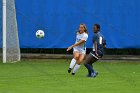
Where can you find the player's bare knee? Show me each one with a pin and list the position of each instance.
(87, 60)
(79, 61)
(76, 58)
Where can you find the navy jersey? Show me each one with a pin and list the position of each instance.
(101, 42)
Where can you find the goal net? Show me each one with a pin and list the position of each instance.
(10, 40)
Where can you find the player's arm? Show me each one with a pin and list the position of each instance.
(76, 44)
(104, 44)
(96, 48)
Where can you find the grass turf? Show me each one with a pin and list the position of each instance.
(50, 76)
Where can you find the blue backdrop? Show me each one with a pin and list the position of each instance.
(119, 20)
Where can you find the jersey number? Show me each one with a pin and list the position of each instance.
(100, 40)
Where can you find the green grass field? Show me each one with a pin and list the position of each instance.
(50, 76)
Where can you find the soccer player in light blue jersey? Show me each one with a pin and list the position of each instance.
(99, 43)
(79, 49)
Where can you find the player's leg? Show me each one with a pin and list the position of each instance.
(73, 61)
(78, 63)
(90, 59)
(94, 73)
(88, 64)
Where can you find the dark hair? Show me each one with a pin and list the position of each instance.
(98, 26)
(86, 31)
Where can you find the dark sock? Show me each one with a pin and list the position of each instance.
(89, 67)
(89, 72)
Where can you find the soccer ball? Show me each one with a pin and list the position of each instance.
(40, 34)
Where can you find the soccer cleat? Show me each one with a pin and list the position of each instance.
(69, 70)
(94, 74)
(88, 75)
(73, 74)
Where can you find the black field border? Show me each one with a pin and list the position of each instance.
(69, 56)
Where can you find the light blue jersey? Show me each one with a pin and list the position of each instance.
(83, 36)
(82, 47)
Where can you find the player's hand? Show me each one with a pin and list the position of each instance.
(96, 54)
(69, 48)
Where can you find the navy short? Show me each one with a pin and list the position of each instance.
(100, 54)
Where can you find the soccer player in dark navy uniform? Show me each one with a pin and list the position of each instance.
(99, 43)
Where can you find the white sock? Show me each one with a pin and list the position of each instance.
(73, 61)
(76, 68)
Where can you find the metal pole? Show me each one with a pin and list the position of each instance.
(4, 31)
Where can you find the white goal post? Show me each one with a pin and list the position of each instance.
(11, 49)
(4, 30)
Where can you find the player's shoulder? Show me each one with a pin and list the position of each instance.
(77, 33)
(102, 35)
(95, 35)
(85, 34)
(99, 34)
